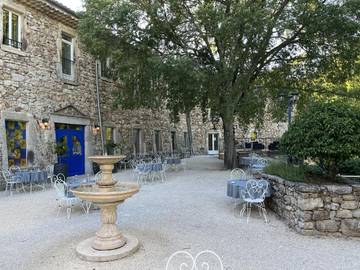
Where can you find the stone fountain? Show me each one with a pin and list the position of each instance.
(109, 243)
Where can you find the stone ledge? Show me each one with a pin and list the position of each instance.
(312, 209)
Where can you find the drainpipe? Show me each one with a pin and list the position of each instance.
(99, 109)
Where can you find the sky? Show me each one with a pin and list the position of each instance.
(75, 5)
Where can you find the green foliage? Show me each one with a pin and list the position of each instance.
(350, 167)
(232, 56)
(286, 171)
(326, 132)
(60, 149)
(296, 173)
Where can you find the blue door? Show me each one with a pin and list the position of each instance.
(72, 137)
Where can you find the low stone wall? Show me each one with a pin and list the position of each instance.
(317, 209)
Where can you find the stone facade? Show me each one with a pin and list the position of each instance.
(317, 209)
(33, 88)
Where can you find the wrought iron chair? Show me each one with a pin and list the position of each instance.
(143, 171)
(11, 180)
(258, 164)
(50, 174)
(60, 176)
(65, 201)
(254, 194)
(237, 174)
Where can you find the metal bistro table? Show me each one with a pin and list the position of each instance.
(246, 161)
(33, 177)
(235, 186)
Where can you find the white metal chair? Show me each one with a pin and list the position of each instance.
(14, 169)
(182, 164)
(143, 171)
(65, 201)
(50, 174)
(237, 173)
(258, 164)
(254, 194)
(12, 181)
(61, 176)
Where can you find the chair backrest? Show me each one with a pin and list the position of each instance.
(260, 162)
(60, 176)
(237, 174)
(59, 186)
(7, 175)
(14, 169)
(256, 189)
(50, 169)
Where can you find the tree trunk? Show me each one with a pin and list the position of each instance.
(230, 159)
(333, 170)
(189, 132)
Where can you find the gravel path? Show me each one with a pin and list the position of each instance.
(189, 212)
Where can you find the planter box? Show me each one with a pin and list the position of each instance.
(311, 209)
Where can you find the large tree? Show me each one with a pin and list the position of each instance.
(246, 49)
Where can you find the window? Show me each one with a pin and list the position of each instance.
(173, 140)
(137, 140)
(105, 68)
(67, 56)
(11, 29)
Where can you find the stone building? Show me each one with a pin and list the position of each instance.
(48, 96)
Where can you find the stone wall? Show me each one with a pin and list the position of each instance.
(317, 209)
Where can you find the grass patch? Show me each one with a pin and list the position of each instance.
(286, 171)
(311, 174)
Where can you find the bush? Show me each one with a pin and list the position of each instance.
(286, 171)
(327, 133)
(350, 167)
(296, 173)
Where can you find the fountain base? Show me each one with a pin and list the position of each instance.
(86, 252)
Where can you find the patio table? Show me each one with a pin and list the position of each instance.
(173, 161)
(149, 167)
(234, 188)
(76, 182)
(246, 161)
(36, 177)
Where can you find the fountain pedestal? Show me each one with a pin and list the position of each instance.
(109, 243)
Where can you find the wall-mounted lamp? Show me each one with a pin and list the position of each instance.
(96, 130)
(44, 124)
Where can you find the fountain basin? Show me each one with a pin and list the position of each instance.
(106, 160)
(116, 194)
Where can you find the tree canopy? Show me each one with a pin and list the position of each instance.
(244, 52)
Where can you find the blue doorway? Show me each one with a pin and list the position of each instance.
(72, 138)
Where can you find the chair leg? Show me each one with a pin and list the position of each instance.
(68, 212)
(242, 211)
(23, 188)
(248, 213)
(59, 209)
(264, 212)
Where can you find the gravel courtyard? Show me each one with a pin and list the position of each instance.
(189, 212)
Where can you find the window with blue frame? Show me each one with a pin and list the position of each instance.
(16, 142)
